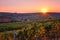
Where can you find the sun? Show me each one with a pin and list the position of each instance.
(44, 10)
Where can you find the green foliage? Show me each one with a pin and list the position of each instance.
(31, 30)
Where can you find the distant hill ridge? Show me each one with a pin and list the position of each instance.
(22, 16)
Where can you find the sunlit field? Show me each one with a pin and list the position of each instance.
(34, 30)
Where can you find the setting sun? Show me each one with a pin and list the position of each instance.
(44, 10)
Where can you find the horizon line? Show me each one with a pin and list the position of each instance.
(28, 12)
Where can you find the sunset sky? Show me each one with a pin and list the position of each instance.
(29, 5)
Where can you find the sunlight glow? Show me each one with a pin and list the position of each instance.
(44, 10)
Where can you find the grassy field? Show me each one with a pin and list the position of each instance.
(32, 30)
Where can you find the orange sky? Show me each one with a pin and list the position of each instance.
(25, 9)
(29, 5)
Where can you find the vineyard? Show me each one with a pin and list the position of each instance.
(35, 30)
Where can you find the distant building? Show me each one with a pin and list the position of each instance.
(5, 19)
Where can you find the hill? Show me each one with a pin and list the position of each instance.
(29, 16)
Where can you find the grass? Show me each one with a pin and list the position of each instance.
(38, 29)
(27, 25)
